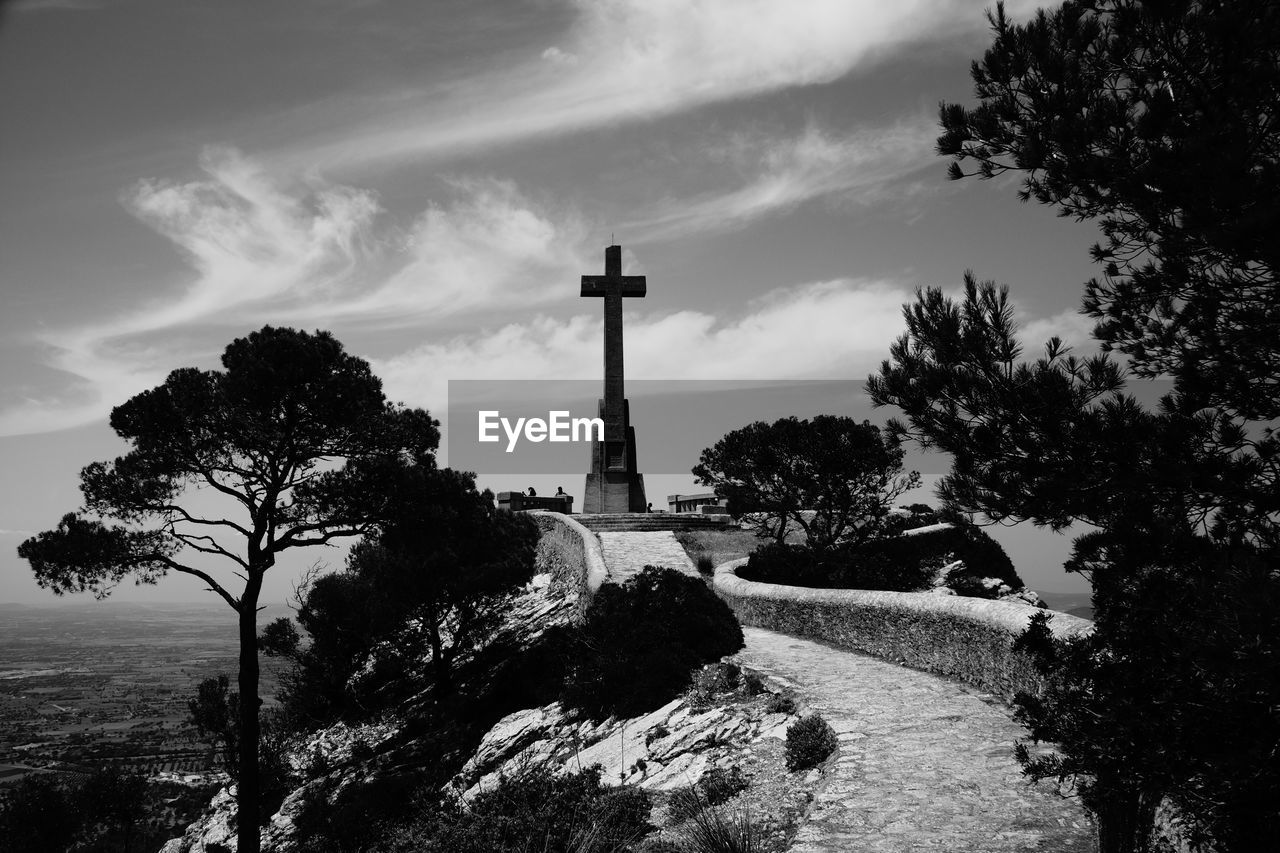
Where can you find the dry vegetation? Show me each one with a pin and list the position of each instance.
(721, 546)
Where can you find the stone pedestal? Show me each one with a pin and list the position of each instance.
(614, 484)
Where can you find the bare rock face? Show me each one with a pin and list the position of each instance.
(335, 746)
(212, 833)
(665, 749)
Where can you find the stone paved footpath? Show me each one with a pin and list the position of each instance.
(925, 764)
(627, 553)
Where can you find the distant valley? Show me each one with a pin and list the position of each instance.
(106, 683)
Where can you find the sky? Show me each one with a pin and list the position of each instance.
(428, 181)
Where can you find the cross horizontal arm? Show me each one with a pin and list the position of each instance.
(605, 285)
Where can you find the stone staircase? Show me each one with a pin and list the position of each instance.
(627, 522)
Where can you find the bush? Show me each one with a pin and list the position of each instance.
(896, 563)
(639, 643)
(709, 831)
(658, 732)
(1173, 696)
(809, 741)
(718, 785)
(781, 703)
(712, 681)
(752, 684)
(532, 811)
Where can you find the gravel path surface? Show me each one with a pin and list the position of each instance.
(925, 764)
(627, 553)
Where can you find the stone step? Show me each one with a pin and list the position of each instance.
(642, 521)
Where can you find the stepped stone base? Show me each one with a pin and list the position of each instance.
(614, 492)
(645, 521)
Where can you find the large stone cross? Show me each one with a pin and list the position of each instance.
(614, 484)
(612, 286)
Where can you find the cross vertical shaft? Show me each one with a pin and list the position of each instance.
(613, 286)
(614, 485)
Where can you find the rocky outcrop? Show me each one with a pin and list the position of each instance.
(665, 749)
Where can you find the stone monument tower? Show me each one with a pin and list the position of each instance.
(614, 484)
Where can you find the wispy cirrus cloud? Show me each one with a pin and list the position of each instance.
(628, 60)
(264, 250)
(780, 173)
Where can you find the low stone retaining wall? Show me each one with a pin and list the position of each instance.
(571, 553)
(969, 639)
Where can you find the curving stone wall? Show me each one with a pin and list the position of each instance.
(571, 554)
(969, 639)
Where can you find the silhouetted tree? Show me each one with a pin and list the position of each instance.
(1157, 119)
(215, 712)
(1056, 442)
(39, 815)
(434, 573)
(115, 801)
(832, 476)
(293, 436)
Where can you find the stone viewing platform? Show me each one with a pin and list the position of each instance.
(518, 501)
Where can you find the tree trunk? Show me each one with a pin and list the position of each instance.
(439, 661)
(248, 786)
(1125, 818)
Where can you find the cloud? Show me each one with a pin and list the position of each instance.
(491, 248)
(626, 60)
(835, 329)
(1074, 328)
(302, 253)
(250, 241)
(786, 172)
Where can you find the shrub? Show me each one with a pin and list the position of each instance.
(794, 565)
(752, 684)
(712, 681)
(709, 831)
(704, 564)
(722, 783)
(781, 703)
(658, 732)
(897, 563)
(717, 785)
(964, 582)
(809, 741)
(532, 811)
(639, 643)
